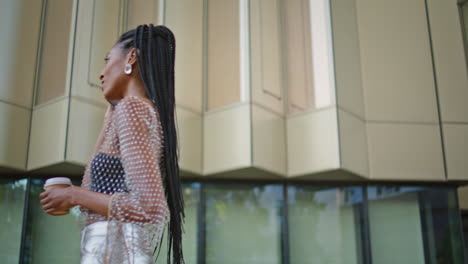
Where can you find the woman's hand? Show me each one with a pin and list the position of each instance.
(57, 199)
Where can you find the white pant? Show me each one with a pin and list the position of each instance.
(93, 244)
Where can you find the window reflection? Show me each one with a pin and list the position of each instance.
(243, 224)
(12, 195)
(422, 224)
(50, 239)
(191, 194)
(325, 224)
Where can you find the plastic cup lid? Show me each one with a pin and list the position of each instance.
(57, 180)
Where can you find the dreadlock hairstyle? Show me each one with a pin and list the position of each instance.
(155, 51)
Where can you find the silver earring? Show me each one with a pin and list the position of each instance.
(128, 68)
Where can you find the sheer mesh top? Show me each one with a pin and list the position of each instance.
(126, 164)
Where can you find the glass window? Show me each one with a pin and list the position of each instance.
(421, 224)
(12, 195)
(325, 224)
(464, 214)
(50, 239)
(441, 220)
(243, 223)
(191, 194)
(395, 225)
(56, 239)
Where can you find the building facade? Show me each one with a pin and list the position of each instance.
(311, 131)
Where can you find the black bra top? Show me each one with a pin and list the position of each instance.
(107, 174)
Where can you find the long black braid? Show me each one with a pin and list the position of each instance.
(155, 49)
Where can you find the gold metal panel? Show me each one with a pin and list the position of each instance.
(405, 152)
(397, 73)
(456, 150)
(312, 140)
(14, 133)
(227, 139)
(48, 135)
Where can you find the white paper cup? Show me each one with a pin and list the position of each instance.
(57, 182)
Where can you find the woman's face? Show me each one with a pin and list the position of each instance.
(113, 78)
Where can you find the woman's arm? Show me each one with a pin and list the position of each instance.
(140, 157)
(140, 136)
(65, 198)
(59, 199)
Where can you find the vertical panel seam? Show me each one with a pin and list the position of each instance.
(285, 226)
(24, 227)
(366, 234)
(204, 82)
(73, 42)
(363, 92)
(248, 60)
(201, 250)
(36, 78)
(332, 38)
(436, 86)
(284, 83)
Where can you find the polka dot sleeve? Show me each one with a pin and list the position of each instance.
(140, 138)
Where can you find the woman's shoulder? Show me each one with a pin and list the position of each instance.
(133, 100)
(133, 109)
(134, 104)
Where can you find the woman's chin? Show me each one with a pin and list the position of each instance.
(105, 94)
(107, 98)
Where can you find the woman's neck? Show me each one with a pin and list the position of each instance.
(135, 88)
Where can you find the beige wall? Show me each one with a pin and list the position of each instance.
(397, 67)
(399, 90)
(54, 56)
(299, 58)
(50, 116)
(362, 89)
(223, 54)
(266, 60)
(452, 82)
(20, 29)
(185, 19)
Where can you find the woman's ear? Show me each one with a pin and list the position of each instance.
(131, 56)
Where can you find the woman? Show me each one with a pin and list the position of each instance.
(131, 187)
